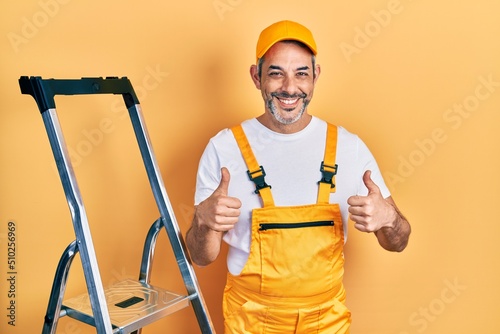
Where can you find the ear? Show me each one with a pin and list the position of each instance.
(317, 72)
(254, 73)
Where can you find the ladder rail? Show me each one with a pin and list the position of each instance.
(80, 222)
(168, 218)
(148, 252)
(58, 289)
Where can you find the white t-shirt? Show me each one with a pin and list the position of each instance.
(292, 165)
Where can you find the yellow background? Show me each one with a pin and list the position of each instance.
(418, 80)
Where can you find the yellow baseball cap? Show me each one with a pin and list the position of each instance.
(282, 31)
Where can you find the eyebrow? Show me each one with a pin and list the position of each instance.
(276, 67)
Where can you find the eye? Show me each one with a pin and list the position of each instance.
(274, 74)
(302, 74)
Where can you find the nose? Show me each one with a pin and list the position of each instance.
(290, 85)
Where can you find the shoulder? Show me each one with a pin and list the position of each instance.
(342, 133)
(345, 134)
(226, 135)
(221, 136)
(347, 141)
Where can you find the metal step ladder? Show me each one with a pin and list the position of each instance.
(127, 306)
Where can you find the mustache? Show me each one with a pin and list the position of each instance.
(285, 95)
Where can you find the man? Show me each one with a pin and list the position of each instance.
(280, 189)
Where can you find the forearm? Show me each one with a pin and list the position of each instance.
(203, 243)
(395, 236)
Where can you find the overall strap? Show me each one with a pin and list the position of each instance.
(328, 166)
(255, 172)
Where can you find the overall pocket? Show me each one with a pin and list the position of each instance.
(297, 255)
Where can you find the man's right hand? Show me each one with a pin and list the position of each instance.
(212, 218)
(219, 212)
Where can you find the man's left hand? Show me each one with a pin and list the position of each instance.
(371, 212)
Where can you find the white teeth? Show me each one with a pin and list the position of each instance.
(289, 101)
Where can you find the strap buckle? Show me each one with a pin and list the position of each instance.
(328, 173)
(259, 181)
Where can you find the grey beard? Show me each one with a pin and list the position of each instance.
(277, 116)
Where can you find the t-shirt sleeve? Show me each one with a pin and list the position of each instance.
(369, 163)
(208, 176)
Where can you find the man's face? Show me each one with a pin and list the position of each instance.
(287, 81)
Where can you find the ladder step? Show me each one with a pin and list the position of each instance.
(131, 305)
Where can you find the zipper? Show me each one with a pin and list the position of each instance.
(272, 226)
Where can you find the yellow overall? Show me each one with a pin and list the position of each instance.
(292, 281)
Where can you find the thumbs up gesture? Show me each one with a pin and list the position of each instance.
(371, 212)
(219, 212)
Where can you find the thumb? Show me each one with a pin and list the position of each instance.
(224, 181)
(370, 185)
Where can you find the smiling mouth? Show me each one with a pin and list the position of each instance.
(288, 102)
